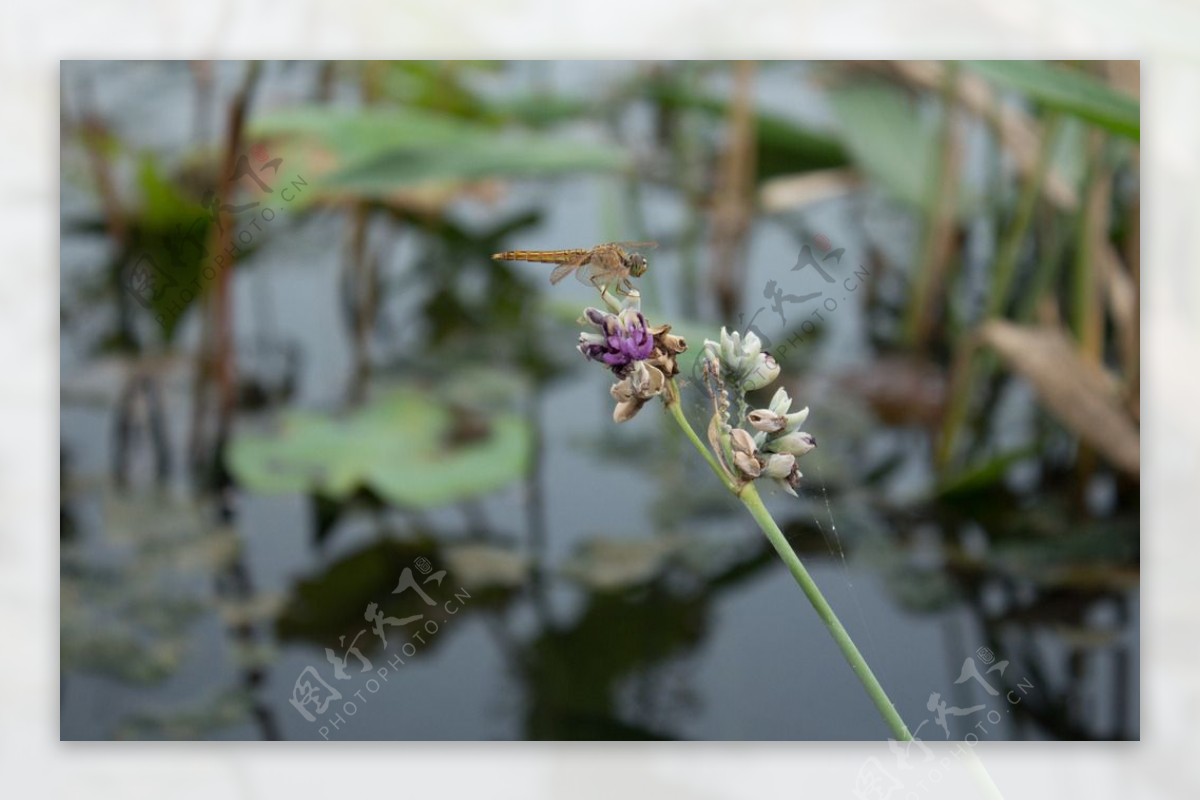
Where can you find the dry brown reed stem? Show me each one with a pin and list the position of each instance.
(733, 208)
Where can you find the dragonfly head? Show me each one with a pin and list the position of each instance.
(637, 265)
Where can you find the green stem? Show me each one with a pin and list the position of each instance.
(753, 502)
(676, 410)
(1086, 306)
(750, 498)
(1010, 247)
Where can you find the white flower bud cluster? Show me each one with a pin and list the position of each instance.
(743, 361)
(772, 451)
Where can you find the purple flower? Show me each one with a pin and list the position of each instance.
(622, 339)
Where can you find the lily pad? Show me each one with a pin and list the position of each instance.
(483, 566)
(407, 448)
(604, 565)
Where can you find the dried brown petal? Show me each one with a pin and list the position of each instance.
(664, 362)
(647, 381)
(742, 441)
(747, 463)
(622, 390)
(625, 410)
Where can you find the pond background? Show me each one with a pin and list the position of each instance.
(614, 592)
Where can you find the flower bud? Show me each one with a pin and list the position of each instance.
(780, 401)
(779, 465)
(751, 346)
(767, 420)
(730, 346)
(761, 372)
(796, 419)
(797, 443)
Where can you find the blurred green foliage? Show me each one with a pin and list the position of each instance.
(405, 447)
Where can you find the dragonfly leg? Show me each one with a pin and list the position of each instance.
(603, 289)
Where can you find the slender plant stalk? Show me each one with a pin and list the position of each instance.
(1087, 313)
(748, 495)
(1010, 248)
(1054, 235)
(1087, 302)
(941, 194)
(677, 412)
(750, 498)
(685, 151)
(735, 192)
(973, 366)
(753, 502)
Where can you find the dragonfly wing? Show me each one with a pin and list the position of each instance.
(565, 268)
(604, 265)
(586, 272)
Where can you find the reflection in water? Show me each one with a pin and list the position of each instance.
(1056, 606)
(613, 657)
(574, 674)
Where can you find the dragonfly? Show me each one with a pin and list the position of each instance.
(608, 265)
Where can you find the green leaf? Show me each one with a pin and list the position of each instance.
(377, 151)
(784, 147)
(407, 448)
(170, 248)
(1068, 90)
(887, 139)
(983, 476)
(367, 133)
(543, 109)
(1069, 156)
(440, 86)
(478, 158)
